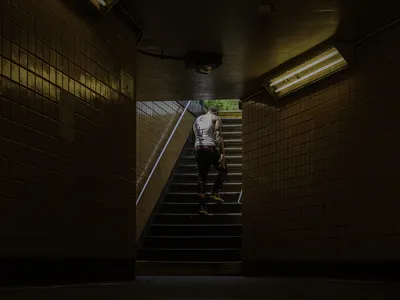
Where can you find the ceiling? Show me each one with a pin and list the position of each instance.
(251, 42)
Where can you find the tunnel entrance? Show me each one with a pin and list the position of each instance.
(177, 239)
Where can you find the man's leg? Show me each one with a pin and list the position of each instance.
(203, 166)
(219, 182)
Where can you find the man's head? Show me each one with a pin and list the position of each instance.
(213, 110)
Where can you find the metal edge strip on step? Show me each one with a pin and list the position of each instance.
(194, 237)
(191, 249)
(210, 214)
(209, 174)
(227, 148)
(195, 165)
(208, 183)
(232, 140)
(189, 193)
(239, 262)
(226, 157)
(188, 203)
(232, 132)
(197, 225)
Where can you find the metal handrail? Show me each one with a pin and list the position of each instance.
(240, 197)
(196, 107)
(162, 152)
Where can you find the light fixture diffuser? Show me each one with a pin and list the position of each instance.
(103, 4)
(316, 68)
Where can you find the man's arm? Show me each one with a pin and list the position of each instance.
(193, 135)
(219, 139)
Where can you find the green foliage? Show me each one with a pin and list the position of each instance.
(222, 104)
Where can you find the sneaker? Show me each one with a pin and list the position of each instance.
(217, 198)
(203, 211)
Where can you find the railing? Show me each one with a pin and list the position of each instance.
(240, 197)
(186, 107)
(196, 107)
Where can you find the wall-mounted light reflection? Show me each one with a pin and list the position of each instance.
(103, 4)
(313, 70)
(50, 76)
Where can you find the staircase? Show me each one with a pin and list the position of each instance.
(179, 241)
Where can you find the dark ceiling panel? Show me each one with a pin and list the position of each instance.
(251, 43)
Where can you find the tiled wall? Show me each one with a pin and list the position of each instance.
(67, 134)
(162, 173)
(321, 170)
(155, 121)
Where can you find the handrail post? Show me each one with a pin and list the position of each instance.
(162, 152)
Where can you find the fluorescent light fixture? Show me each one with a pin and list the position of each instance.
(325, 57)
(103, 4)
(310, 74)
(315, 69)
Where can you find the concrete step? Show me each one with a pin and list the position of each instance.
(199, 242)
(195, 218)
(195, 229)
(230, 159)
(230, 114)
(192, 168)
(231, 127)
(232, 142)
(232, 134)
(231, 121)
(193, 187)
(192, 177)
(228, 151)
(192, 197)
(190, 254)
(171, 207)
(184, 268)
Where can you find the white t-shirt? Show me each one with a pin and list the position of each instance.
(204, 129)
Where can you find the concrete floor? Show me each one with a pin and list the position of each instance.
(217, 288)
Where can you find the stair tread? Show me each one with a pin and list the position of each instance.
(209, 174)
(192, 193)
(193, 236)
(195, 165)
(196, 204)
(231, 132)
(226, 156)
(208, 183)
(226, 148)
(196, 225)
(192, 249)
(193, 214)
(189, 262)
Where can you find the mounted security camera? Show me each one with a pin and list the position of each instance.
(202, 62)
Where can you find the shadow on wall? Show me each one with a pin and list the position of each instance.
(71, 161)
